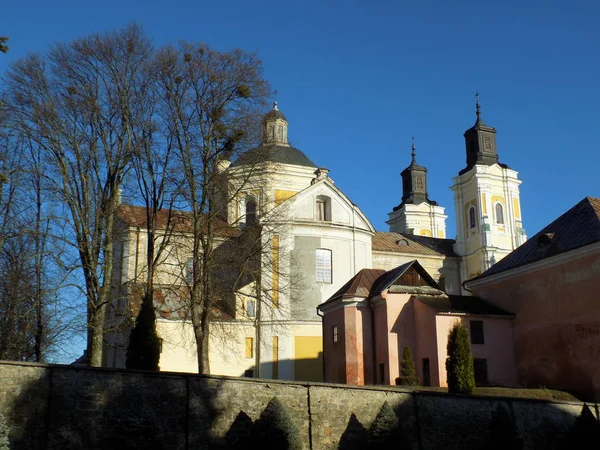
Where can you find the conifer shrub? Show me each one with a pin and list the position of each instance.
(459, 363)
(275, 429)
(143, 351)
(408, 376)
(502, 433)
(4, 443)
(385, 430)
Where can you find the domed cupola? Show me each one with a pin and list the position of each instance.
(275, 128)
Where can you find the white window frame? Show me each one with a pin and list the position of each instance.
(324, 266)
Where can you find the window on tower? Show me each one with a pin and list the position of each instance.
(472, 222)
(323, 208)
(499, 213)
(250, 211)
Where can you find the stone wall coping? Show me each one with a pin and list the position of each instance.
(308, 385)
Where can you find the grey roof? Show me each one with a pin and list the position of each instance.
(274, 114)
(384, 241)
(462, 304)
(280, 154)
(578, 227)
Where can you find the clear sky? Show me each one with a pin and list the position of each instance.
(357, 79)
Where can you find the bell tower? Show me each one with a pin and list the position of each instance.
(417, 214)
(487, 203)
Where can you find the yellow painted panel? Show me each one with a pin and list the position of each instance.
(275, 259)
(497, 198)
(249, 347)
(425, 233)
(275, 357)
(308, 358)
(501, 229)
(441, 234)
(282, 195)
(483, 204)
(516, 208)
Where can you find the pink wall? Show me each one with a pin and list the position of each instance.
(400, 331)
(557, 325)
(335, 353)
(498, 348)
(426, 342)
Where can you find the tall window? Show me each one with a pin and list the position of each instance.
(426, 372)
(334, 331)
(189, 271)
(323, 266)
(477, 332)
(472, 222)
(499, 213)
(323, 207)
(250, 211)
(250, 308)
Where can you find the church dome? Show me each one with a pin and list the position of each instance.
(274, 114)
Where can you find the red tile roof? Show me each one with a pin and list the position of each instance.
(578, 227)
(135, 216)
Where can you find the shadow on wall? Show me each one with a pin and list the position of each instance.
(504, 426)
(107, 409)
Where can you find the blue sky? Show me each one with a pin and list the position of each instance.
(357, 79)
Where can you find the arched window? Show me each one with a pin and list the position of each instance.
(323, 208)
(250, 211)
(472, 222)
(499, 213)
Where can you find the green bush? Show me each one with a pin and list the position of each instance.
(384, 432)
(459, 363)
(143, 351)
(4, 443)
(275, 429)
(408, 376)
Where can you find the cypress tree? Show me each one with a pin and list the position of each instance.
(143, 351)
(275, 429)
(459, 363)
(408, 376)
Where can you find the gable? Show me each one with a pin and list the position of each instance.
(338, 209)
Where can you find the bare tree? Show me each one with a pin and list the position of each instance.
(3, 46)
(212, 101)
(81, 104)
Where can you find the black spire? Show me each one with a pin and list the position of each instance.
(414, 182)
(480, 141)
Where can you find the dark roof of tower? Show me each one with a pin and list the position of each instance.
(279, 154)
(274, 114)
(578, 227)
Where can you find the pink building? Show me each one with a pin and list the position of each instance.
(550, 284)
(367, 323)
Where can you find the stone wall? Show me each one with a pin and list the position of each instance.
(52, 407)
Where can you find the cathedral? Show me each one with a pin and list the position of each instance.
(318, 241)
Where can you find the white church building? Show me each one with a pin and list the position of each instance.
(318, 240)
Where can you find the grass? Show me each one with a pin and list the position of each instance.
(540, 394)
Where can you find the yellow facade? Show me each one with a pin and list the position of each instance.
(442, 235)
(425, 233)
(483, 204)
(308, 358)
(275, 258)
(282, 195)
(516, 208)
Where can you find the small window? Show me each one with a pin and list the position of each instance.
(480, 370)
(499, 213)
(323, 208)
(250, 211)
(472, 221)
(250, 308)
(249, 347)
(477, 332)
(323, 260)
(334, 331)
